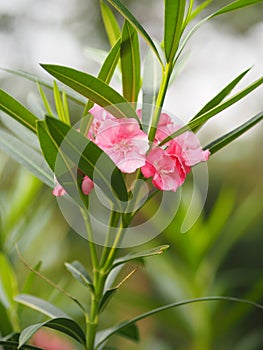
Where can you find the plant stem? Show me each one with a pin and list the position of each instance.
(160, 99)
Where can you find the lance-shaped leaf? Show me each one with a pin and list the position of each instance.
(106, 334)
(94, 89)
(105, 74)
(27, 156)
(173, 23)
(110, 23)
(65, 325)
(44, 82)
(106, 298)
(17, 111)
(40, 305)
(12, 345)
(138, 27)
(8, 289)
(110, 63)
(235, 5)
(89, 158)
(202, 119)
(130, 62)
(221, 95)
(79, 272)
(234, 134)
(140, 255)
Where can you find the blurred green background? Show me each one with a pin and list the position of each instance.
(220, 255)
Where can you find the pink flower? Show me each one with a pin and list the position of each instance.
(49, 341)
(100, 115)
(58, 191)
(167, 171)
(124, 142)
(87, 185)
(168, 165)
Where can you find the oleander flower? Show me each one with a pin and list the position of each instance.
(124, 142)
(167, 171)
(169, 164)
(87, 185)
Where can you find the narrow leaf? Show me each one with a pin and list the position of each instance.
(222, 94)
(173, 23)
(106, 298)
(40, 305)
(202, 119)
(64, 325)
(45, 100)
(44, 82)
(151, 81)
(234, 134)
(110, 23)
(130, 62)
(110, 63)
(58, 103)
(106, 334)
(26, 156)
(79, 272)
(94, 89)
(80, 149)
(17, 111)
(235, 5)
(105, 74)
(138, 27)
(140, 255)
(8, 289)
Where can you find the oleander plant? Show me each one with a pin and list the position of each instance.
(117, 170)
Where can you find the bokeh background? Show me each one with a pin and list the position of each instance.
(222, 252)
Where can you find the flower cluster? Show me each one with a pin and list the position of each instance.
(128, 147)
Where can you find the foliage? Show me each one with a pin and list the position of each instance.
(56, 143)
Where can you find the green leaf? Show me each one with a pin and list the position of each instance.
(44, 82)
(222, 94)
(193, 124)
(17, 111)
(106, 334)
(105, 74)
(8, 289)
(110, 63)
(130, 62)
(110, 23)
(138, 27)
(134, 256)
(94, 89)
(232, 135)
(59, 104)
(235, 5)
(14, 345)
(40, 305)
(53, 156)
(64, 325)
(79, 272)
(106, 298)
(199, 9)
(26, 156)
(5, 324)
(45, 100)
(151, 81)
(173, 23)
(87, 153)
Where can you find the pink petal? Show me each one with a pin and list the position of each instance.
(87, 185)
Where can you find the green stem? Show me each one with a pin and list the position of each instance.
(93, 317)
(92, 246)
(160, 99)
